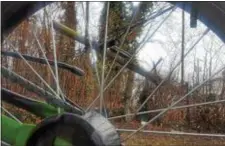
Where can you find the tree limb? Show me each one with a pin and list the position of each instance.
(62, 65)
(51, 99)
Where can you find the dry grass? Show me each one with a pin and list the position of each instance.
(148, 139)
(159, 140)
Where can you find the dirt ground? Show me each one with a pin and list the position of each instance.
(159, 140)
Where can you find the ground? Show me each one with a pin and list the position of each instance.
(159, 140)
(147, 139)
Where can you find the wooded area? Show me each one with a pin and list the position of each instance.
(134, 84)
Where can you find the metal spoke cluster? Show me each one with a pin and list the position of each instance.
(59, 100)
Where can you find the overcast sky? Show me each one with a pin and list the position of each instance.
(172, 29)
(166, 43)
(161, 46)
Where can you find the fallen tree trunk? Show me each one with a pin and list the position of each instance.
(122, 59)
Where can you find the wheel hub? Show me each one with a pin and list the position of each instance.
(91, 129)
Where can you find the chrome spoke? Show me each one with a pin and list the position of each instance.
(46, 59)
(173, 104)
(121, 44)
(133, 55)
(103, 61)
(89, 41)
(34, 71)
(43, 93)
(161, 83)
(173, 108)
(55, 62)
(178, 81)
(3, 143)
(173, 133)
(151, 17)
(92, 50)
(11, 115)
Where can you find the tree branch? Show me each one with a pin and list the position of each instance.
(62, 65)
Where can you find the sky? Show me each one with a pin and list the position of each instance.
(166, 42)
(154, 50)
(161, 44)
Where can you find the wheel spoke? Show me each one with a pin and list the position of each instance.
(173, 133)
(30, 86)
(3, 143)
(153, 16)
(182, 45)
(128, 95)
(72, 69)
(75, 70)
(121, 44)
(35, 72)
(47, 61)
(11, 115)
(133, 55)
(172, 105)
(103, 60)
(55, 62)
(92, 50)
(130, 26)
(89, 42)
(162, 82)
(173, 108)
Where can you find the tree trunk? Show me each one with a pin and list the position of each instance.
(222, 94)
(128, 95)
(185, 91)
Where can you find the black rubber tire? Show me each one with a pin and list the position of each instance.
(66, 125)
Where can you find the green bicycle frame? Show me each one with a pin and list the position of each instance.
(17, 134)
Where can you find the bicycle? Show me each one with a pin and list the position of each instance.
(60, 113)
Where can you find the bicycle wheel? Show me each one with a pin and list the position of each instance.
(118, 94)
